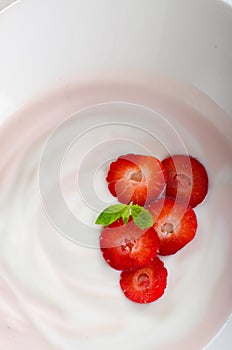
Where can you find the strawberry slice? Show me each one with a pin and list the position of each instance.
(136, 178)
(145, 284)
(175, 224)
(126, 246)
(187, 179)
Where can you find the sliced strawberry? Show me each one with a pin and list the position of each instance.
(127, 246)
(146, 284)
(136, 178)
(187, 179)
(175, 224)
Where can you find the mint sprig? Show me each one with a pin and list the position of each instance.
(142, 218)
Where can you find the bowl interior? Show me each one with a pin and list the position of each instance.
(56, 155)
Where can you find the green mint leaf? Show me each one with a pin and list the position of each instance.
(111, 214)
(125, 214)
(142, 218)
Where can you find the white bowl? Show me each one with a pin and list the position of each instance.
(45, 45)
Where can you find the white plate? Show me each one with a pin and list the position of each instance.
(45, 44)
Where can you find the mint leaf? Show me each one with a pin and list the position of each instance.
(125, 214)
(142, 218)
(113, 213)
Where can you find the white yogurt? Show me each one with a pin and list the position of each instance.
(56, 294)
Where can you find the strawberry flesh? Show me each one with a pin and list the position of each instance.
(136, 178)
(187, 179)
(146, 284)
(175, 224)
(126, 246)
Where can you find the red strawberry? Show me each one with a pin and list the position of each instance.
(127, 246)
(187, 179)
(136, 178)
(175, 224)
(146, 284)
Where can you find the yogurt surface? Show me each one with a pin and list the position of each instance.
(56, 290)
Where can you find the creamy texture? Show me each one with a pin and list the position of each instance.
(56, 294)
